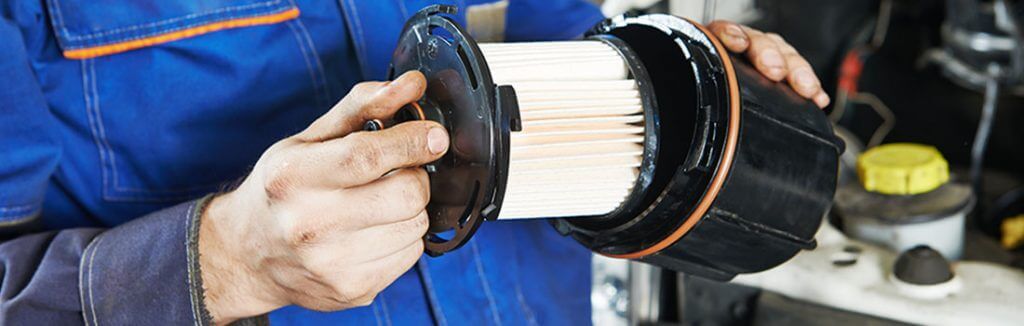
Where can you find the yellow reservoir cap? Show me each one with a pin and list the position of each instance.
(902, 169)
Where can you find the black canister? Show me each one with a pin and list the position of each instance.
(745, 169)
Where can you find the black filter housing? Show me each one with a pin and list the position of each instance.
(745, 171)
(738, 170)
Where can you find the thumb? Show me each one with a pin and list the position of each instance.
(366, 101)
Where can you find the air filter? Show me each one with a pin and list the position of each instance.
(644, 140)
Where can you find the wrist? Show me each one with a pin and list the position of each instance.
(230, 258)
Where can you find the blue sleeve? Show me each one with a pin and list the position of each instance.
(140, 273)
(549, 20)
(144, 272)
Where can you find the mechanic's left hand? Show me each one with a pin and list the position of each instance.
(773, 57)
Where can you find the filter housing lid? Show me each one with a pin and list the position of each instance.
(467, 183)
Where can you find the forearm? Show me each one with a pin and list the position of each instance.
(137, 273)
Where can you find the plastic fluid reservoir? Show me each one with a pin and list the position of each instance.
(905, 199)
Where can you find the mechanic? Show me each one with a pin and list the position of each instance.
(123, 124)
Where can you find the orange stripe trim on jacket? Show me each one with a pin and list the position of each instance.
(108, 49)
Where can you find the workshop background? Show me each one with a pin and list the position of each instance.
(946, 74)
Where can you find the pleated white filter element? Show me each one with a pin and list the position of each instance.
(583, 127)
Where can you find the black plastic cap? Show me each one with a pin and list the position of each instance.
(467, 184)
(922, 265)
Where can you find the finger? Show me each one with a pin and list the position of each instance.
(336, 218)
(366, 101)
(390, 239)
(353, 160)
(395, 198)
(378, 241)
(392, 199)
(821, 99)
(765, 54)
(382, 272)
(801, 76)
(363, 157)
(356, 284)
(732, 36)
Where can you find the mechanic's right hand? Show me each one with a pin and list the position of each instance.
(327, 218)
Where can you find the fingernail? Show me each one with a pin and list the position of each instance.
(822, 100)
(805, 78)
(437, 140)
(772, 58)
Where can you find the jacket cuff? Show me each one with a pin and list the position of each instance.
(146, 271)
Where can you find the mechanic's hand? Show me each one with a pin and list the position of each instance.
(773, 57)
(327, 218)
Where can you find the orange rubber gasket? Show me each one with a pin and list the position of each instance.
(419, 110)
(723, 166)
(108, 49)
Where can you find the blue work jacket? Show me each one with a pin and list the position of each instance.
(117, 116)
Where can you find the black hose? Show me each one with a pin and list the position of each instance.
(988, 113)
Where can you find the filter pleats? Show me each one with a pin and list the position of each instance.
(581, 145)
